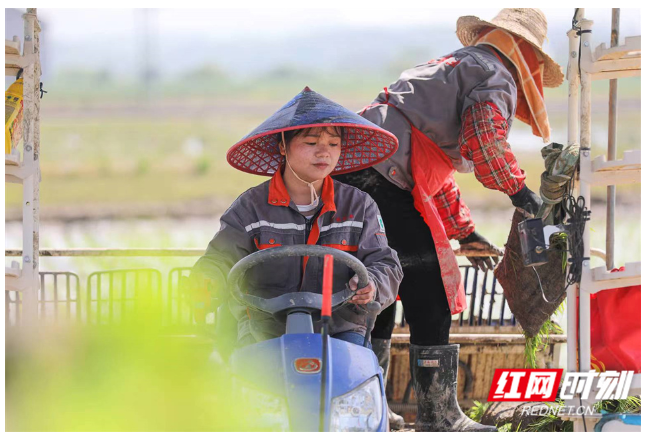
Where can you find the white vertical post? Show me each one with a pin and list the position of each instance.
(572, 138)
(612, 150)
(30, 254)
(29, 302)
(586, 177)
(36, 156)
(573, 88)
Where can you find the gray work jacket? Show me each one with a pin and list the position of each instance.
(264, 216)
(434, 96)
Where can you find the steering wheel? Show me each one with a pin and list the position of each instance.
(302, 301)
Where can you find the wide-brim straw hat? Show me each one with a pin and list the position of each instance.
(528, 24)
(364, 144)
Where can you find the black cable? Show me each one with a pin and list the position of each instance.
(577, 28)
(579, 215)
(574, 21)
(585, 428)
(542, 291)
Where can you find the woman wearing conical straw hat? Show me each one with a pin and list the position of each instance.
(299, 146)
(452, 114)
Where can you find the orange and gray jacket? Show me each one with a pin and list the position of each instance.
(265, 216)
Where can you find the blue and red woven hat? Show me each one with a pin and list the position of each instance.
(364, 145)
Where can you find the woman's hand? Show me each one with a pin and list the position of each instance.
(205, 293)
(363, 296)
(476, 242)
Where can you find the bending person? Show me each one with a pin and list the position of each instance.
(453, 113)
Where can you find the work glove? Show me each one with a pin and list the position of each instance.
(527, 201)
(476, 242)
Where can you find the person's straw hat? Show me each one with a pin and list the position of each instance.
(528, 24)
(364, 144)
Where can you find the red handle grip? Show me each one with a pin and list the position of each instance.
(328, 272)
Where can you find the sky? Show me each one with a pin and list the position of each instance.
(251, 41)
(70, 23)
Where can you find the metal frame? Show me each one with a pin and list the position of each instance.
(27, 172)
(583, 68)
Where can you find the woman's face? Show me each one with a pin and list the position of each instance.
(313, 155)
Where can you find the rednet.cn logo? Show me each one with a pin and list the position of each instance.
(525, 385)
(541, 385)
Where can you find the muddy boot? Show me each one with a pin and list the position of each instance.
(434, 370)
(381, 347)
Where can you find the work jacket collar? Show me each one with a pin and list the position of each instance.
(278, 195)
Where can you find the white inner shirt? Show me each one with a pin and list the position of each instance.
(308, 208)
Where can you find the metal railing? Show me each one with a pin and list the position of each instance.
(58, 299)
(178, 311)
(112, 296)
(487, 305)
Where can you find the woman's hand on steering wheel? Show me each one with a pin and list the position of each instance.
(363, 296)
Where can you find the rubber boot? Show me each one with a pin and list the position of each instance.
(434, 371)
(381, 347)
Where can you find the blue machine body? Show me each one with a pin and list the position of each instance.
(608, 420)
(271, 366)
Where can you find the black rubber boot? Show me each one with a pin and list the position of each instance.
(434, 371)
(381, 347)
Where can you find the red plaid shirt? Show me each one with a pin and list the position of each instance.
(455, 214)
(483, 140)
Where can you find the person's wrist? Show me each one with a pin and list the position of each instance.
(519, 198)
(471, 238)
(527, 200)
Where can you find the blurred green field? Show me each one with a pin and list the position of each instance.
(79, 89)
(110, 148)
(127, 377)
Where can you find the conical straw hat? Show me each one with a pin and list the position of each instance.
(529, 24)
(364, 144)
